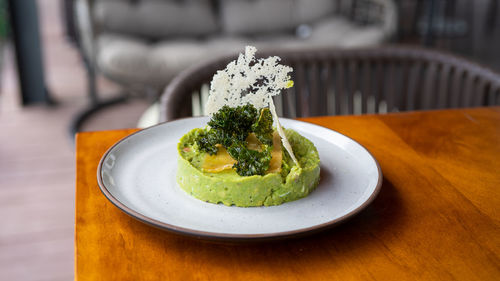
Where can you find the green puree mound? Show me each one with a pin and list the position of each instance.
(229, 188)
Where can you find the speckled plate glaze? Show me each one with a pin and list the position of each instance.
(137, 175)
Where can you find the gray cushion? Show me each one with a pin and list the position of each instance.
(155, 19)
(341, 32)
(135, 61)
(256, 16)
(309, 11)
(271, 16)
(132, 60)
(124, 58)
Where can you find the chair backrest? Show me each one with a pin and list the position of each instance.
(353, 81)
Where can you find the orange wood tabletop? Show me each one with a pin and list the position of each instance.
(437, 216)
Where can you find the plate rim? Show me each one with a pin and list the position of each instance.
(234, 237)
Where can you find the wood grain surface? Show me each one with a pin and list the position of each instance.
(437, 216)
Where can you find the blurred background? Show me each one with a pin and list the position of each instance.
(83, 65)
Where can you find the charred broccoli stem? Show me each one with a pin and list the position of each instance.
(230, 127)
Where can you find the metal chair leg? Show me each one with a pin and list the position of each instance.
(96, 104)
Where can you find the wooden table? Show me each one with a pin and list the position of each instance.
(437, 216)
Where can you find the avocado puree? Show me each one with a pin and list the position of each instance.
(229, 188)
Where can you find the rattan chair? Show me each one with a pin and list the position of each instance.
(353, 81)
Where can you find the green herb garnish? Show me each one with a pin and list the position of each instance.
(263, 128)
(230, 127)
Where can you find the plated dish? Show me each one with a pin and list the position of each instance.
(246, 168)
(138, 176)
(243, 156)
(237, 160)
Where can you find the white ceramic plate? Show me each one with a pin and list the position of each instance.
(137, 174)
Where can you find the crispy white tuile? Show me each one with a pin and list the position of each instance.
(250, 80)
(284, 140)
